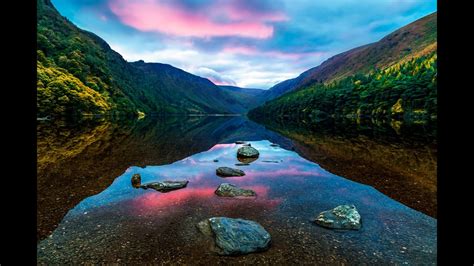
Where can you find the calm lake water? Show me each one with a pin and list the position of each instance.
(88, 211)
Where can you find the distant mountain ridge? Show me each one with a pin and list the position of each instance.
(413, 40)
(248, 97)
(199, 91)
(78, 74)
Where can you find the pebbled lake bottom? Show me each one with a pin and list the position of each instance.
(125, 224)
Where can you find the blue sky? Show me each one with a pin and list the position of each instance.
(247, 43)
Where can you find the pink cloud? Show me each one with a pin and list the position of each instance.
(236, 11)
(245, 50)
(220, 82)
(173, 19)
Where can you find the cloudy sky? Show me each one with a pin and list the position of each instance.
(247, 43)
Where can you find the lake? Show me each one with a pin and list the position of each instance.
(88, 210)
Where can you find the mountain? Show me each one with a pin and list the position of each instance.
(247, 97)
(197, 92)
(413, 40)
(395, 78)
(78, 73)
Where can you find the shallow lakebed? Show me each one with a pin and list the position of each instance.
(131, 225)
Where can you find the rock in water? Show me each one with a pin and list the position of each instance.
(341, 217)
(247, 152)
(246, 145)
(240, 142)
(166, 186)
(230, 190)
(136, 180)
(242, 164)
(227, 171)
(274, 145)
(236, 236)
(205, 227)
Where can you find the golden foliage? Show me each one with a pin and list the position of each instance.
(58, 92)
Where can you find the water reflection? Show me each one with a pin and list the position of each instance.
(80, 159)
(399, 159)
(136, 225)
(77, 159)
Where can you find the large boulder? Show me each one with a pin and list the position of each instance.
(230, 190)
(235, 236)
(165, 186)
(227, 172)
(341, 217)
(247, 152)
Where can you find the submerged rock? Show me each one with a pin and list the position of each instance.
(227, 171)
(246, 160)
(274, 145)
(272, 161)
(240, 142)
(215, 160)
(246, 145)
(165, 186)
(247, 152)
(341, 217)
(242, 164)
(230, 190)
(235, 236)
(136, 180)
(204, 227)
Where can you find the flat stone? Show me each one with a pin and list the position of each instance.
(165, 186)
(236, 236)
(227, 172)
(341, 217)
(230, 190)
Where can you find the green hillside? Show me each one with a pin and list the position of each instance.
(393, 78)
(407, 90)
(413, 40)
(78, 74)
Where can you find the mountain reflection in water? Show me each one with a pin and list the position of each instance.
(399, 159)
(81, 159)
